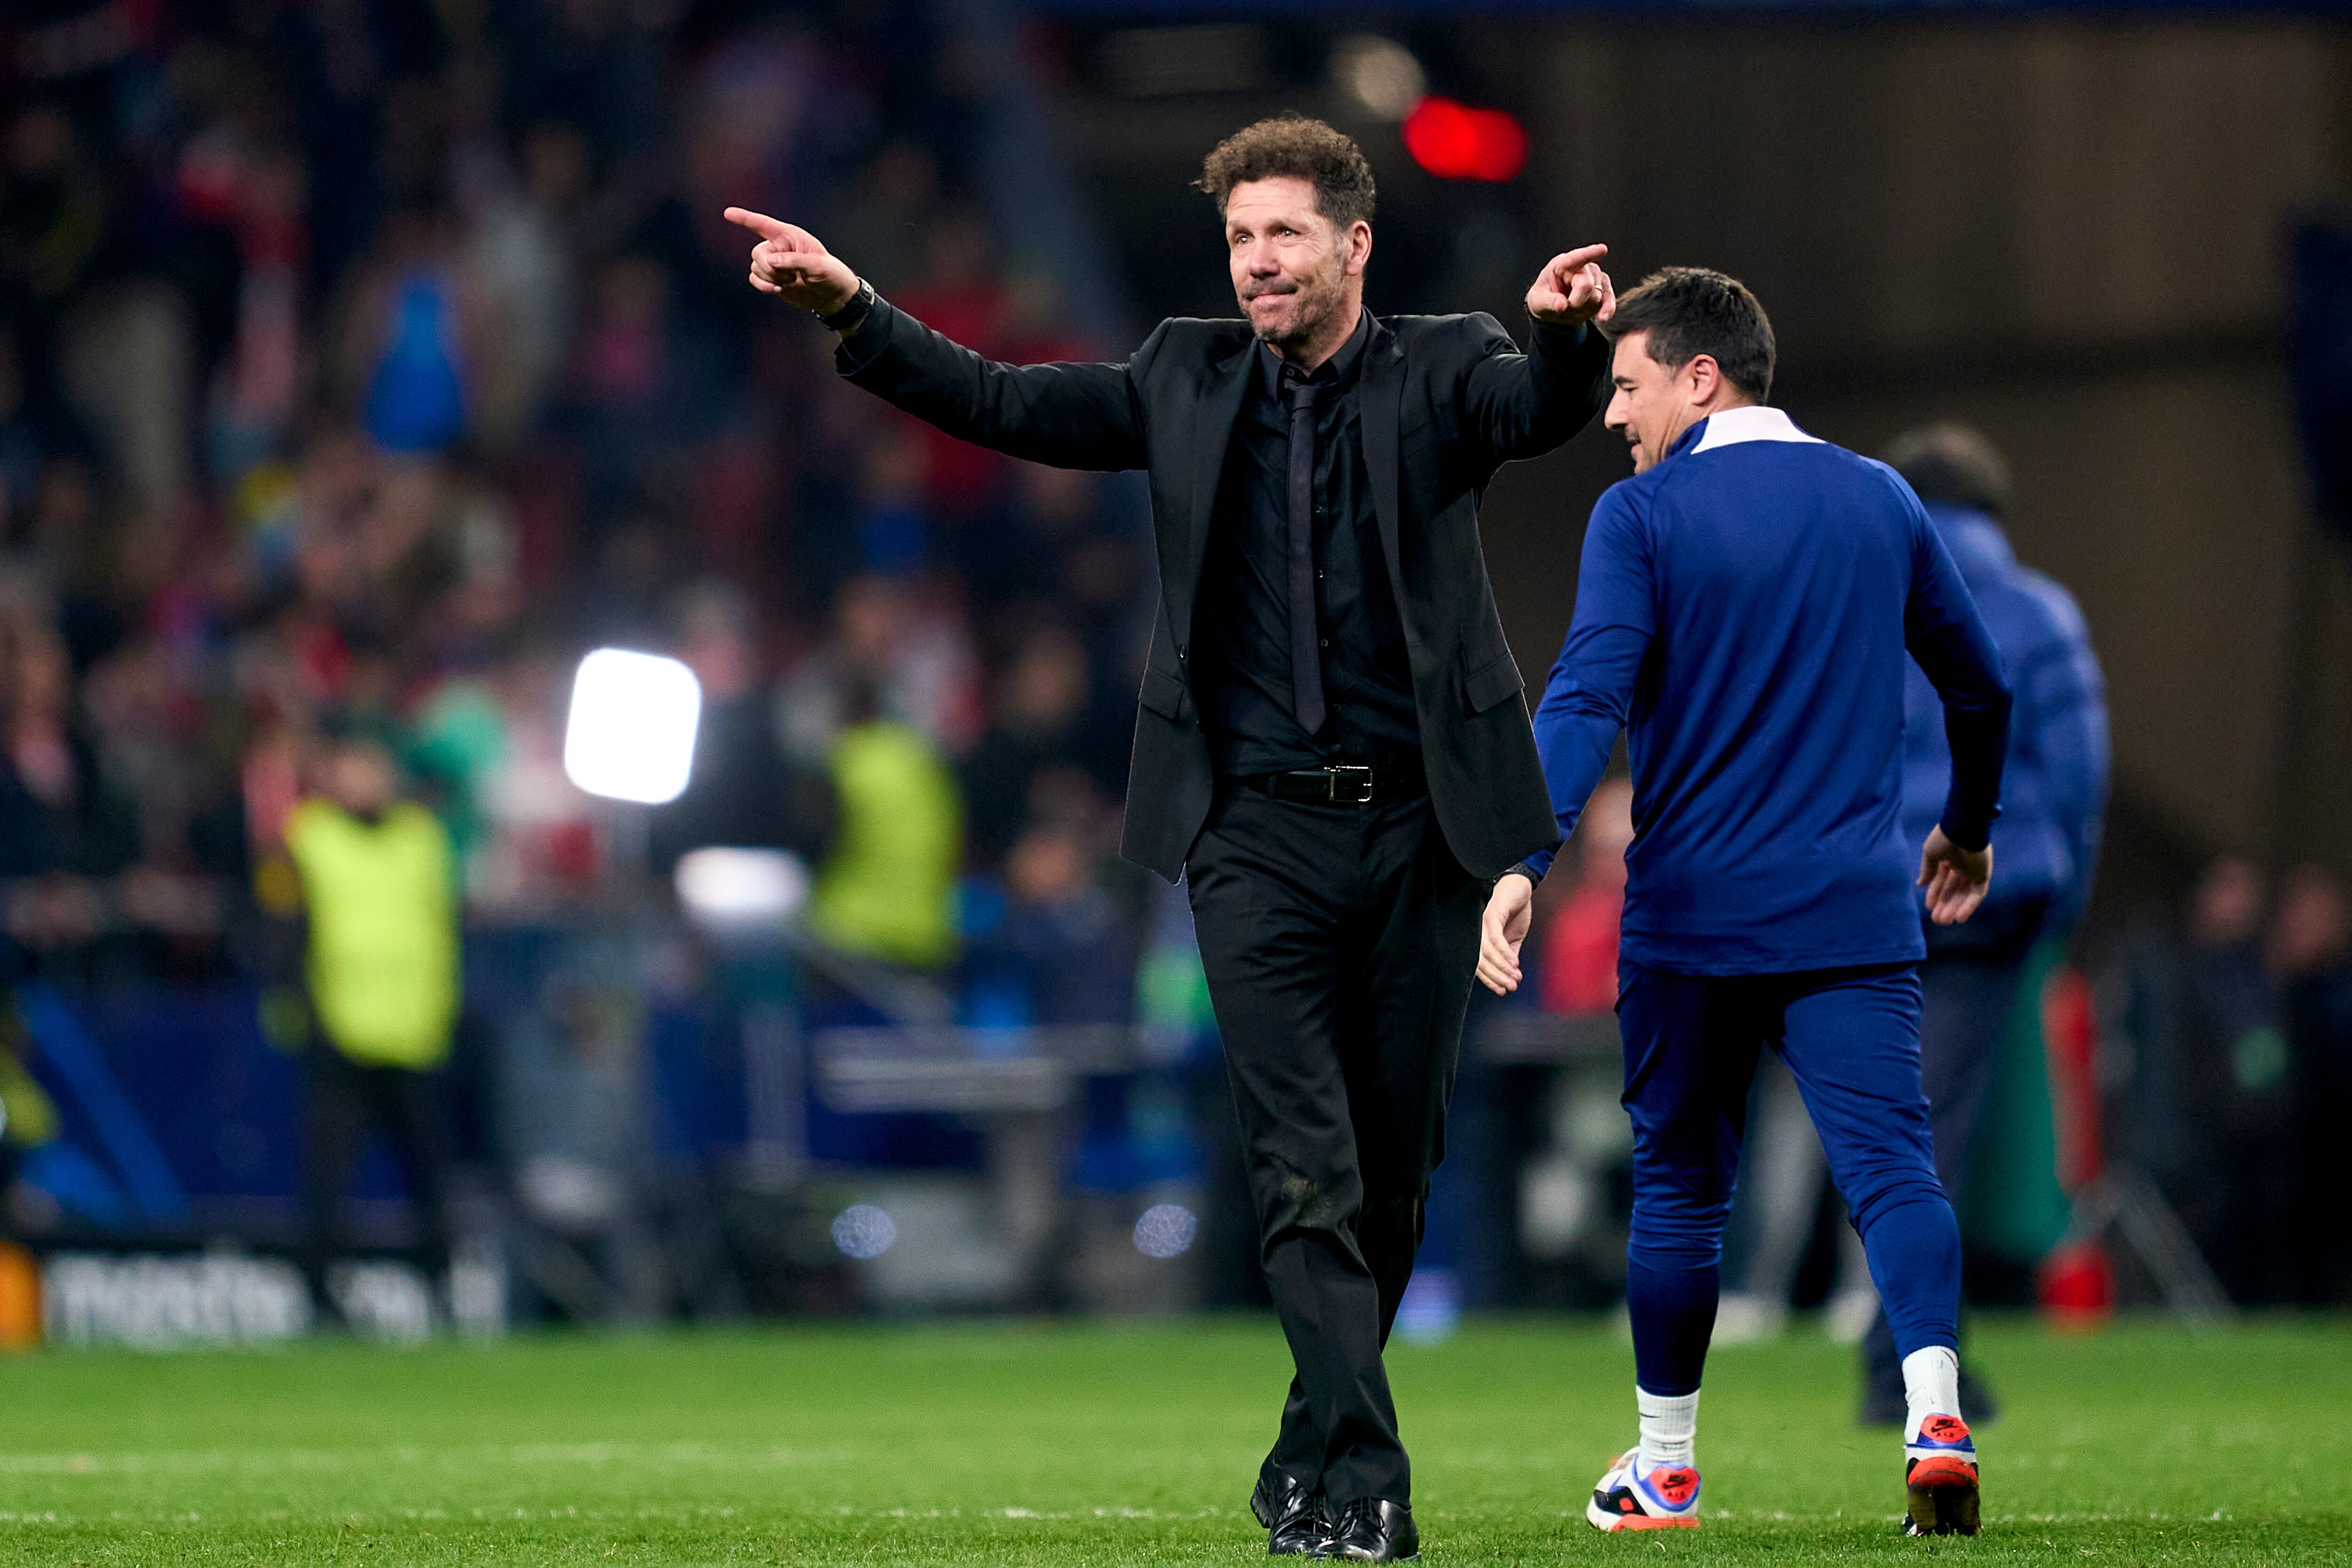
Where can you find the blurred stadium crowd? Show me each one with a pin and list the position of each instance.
(363, 367)
(365, 363)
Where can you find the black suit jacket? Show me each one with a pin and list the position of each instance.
(1445, 402)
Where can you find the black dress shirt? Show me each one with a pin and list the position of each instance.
(1243, 651)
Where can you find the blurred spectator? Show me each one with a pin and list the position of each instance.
(414, 336)
(912, 658)
(642, 380)
(54, 220)
(2241, 1205)
(1076, 954)
(1039, 712)
(541, 847)
(71, 542)
(881, 218)
(255, 393)
(888, 886)
(64, 830)
(625, 598)
(893, 527)
(960, 295)
(2311, 953)
(380, 970)
(744, 791)
(522, 224)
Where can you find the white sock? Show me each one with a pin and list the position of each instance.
(1931, 1386)
(1669, 1427)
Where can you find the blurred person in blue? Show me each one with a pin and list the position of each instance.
(2053, 795)
(1743, 608)
(414, 333)
(1331, 742)
(381, 973)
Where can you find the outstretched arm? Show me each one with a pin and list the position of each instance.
(1523, 405)
(1066, 415)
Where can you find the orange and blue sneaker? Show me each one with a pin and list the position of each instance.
(1630, 1497)
(1939, 1466)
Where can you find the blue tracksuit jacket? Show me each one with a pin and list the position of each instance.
(1742, 611)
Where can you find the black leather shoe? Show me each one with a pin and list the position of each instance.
(1296, 1520)
(1374, 1530)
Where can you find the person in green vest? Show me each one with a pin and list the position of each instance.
(380, 970)
(888, 886)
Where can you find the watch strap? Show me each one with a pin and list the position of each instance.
(860, 306)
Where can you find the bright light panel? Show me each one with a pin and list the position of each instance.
(741, 889)
(631, 734)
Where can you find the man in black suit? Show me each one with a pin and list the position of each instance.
(1331, 740)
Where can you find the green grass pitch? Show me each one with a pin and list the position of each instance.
(1054, 1445)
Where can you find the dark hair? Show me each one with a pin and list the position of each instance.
(1292, 146)
(1689, 312)
(1953, 464)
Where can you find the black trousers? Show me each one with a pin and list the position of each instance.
(1967, 997)
(1339, 942)
(344, 1101)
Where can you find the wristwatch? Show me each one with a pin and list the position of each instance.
(847, 319)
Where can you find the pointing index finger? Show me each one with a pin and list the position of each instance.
(760, 224)
(1579, 256)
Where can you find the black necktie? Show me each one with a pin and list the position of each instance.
(1305, 663)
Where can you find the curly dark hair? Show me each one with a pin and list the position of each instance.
(1689, 312)
(1295, 147)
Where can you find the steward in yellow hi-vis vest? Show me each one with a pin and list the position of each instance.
(379, 887)
(382, 962)
(886, 890)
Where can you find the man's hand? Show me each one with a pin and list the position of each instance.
(792, 263)
(1955, 878)
(1571, 289)
(1508, 910)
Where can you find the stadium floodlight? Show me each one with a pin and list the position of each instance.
(725, 890)
(630, 733)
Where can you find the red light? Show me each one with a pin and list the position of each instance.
(1456, 141)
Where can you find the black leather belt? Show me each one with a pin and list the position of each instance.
(1343, 784)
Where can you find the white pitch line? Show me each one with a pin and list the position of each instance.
(198, 1461)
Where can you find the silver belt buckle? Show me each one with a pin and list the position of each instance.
(1351, 783)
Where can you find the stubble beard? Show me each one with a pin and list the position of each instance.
(1315, 306)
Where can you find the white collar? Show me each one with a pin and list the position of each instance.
(1754, 422)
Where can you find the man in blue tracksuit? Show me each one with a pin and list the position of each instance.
(1743, 609)
(2052, 795)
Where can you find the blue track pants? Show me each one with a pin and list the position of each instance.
(1851, 1039)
